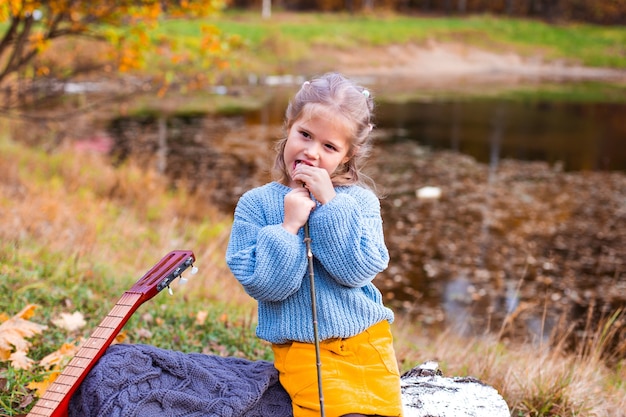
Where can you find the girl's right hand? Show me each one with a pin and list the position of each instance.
(298, 206)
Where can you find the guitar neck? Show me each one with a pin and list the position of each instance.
(58, 394)
(55, 401)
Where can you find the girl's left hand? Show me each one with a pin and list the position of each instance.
(317, 181)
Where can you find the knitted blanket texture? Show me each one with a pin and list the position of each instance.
(145, 381)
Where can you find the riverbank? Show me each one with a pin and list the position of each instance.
(428, 51)
(436, 64)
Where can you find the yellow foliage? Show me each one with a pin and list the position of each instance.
(120, 338)
(41, 387)
(19, 360)
(27, 312)
(59, 358)
(43, 70)
(13, 335)
(131, 19)
(54, 362)
(39, 41)
(201, 317)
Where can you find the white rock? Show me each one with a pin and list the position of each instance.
(428, 193)
(426, 393)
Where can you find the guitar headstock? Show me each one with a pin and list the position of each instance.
(164, 273)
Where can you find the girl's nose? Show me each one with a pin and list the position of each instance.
(311, 151)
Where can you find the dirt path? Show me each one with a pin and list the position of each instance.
(435, 63)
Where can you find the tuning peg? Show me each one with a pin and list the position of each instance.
(194, 270)
(169, 290)
(182, 280)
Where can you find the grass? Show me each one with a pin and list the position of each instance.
(77, 233)
(281, 44)
(581, 43)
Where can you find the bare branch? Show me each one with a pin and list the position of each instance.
(18, 47)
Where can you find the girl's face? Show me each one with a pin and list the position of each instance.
(322, 142)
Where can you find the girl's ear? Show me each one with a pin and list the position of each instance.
(350, 154)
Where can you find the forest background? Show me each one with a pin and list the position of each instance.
(77, 231)
(601, 11)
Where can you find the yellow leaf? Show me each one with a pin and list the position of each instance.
(15, 337)
(43, 70)
(121, 337)
(19, 360)
(60, 357)
(223, 318)
(14, 331)
(27, 312)
(42, 386)
(5, 354)
(201, 317)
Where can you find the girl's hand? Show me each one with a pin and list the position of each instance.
(317, 181)
(298, 206)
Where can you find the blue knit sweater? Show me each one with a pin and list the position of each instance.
(348, 248)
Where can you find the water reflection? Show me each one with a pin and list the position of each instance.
(578, 136)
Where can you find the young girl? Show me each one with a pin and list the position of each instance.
(328, 125)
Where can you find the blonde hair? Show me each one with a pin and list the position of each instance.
(335, 94)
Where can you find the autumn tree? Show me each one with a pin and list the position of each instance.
(29, 27)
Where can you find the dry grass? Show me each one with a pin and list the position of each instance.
(535, 381)
(79, 205)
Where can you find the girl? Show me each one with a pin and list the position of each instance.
(318, 179)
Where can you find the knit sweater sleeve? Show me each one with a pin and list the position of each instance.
(268, 261)
(347, 237)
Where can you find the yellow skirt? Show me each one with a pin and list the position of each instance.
(359, 375)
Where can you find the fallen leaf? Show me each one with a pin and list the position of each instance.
(143, 333)
(60, 357)
(224, 319)
(13, 335)
(42, 387)
(70, 322)
(19, 360)
(55, 361)
(201, 317)
(27, 312)
(120, 338)
(26, 401)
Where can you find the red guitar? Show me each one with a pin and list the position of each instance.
(55, 401)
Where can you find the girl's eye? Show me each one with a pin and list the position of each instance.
(305, 134)
(330, 146)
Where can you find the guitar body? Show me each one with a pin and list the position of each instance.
(56, 399)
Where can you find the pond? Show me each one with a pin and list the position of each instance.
(575, 136)
(526, 238)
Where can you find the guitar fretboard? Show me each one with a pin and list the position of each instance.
(56, 398)
(55, 401)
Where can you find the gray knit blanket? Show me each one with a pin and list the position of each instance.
(145, 381)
